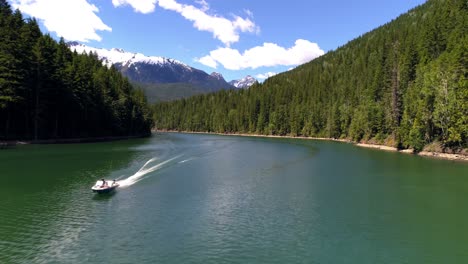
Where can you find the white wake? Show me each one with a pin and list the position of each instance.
(145, 170)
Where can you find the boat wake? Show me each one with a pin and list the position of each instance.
(145, 170)
(183, 161)
(182, 157)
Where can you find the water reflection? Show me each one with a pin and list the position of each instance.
(104, 196)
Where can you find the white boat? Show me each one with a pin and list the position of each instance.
(105, 186)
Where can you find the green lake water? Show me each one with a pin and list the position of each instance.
(220, 199)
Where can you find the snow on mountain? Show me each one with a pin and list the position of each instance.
(115, 56)
(217, 76)
(157, 74)
(243, 83)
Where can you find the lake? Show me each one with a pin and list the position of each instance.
(189, 198)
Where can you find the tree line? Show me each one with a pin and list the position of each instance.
(49, 92)
(403, 84)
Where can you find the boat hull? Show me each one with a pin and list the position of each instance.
(105, 190)
(103, 187)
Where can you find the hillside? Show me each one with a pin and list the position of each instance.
(48, 92)
(161, 78)
(165, 92)
(403, 84)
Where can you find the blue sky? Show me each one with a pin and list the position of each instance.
(233, 37)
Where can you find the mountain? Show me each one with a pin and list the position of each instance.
(217, 76)
(401, 85)
(243, 83)
(157, 73)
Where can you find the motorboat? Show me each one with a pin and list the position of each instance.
(105, 186)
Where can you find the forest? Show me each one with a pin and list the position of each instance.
(49, 92)
(403, 84)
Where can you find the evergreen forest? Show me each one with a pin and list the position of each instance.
(48, 92)
(403, 84)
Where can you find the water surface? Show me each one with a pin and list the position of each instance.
(219, 199)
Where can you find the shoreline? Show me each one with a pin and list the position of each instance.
(12, 143)
(437, 155)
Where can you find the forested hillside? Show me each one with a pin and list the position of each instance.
(48, 92)
(403, 84)
(164, 92)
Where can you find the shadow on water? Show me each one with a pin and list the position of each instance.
(103, 196)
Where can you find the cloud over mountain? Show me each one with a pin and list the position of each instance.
(268, 55)
(267, 75)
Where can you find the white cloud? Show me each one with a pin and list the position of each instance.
(248, 12)
(78, 19)
(71, 19)
(224, 29)
(208, 61)
(265, 75)
(204, 5)
(268, 55)
(142, 6)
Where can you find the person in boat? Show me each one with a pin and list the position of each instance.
(104, 183)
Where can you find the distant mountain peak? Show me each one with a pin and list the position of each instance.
(118, 50)
(160, 72)
(120, 56)
(243, 83)
(217, 75)
(73, 43)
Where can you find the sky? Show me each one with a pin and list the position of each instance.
(233, 37)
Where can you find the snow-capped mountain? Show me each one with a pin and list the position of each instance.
(153, 70)
(120, 56)
(217, 75)
(243, 83)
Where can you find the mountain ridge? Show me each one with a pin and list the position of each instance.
(118, 55)
(154, 72)
(243, 83)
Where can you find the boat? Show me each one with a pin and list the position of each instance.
(105, 186)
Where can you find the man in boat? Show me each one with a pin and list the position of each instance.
(104, 183)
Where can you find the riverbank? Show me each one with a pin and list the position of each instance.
(12, 143)
(433, 154)
(438, 155)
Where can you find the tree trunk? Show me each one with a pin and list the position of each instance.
(56, 124)
(36, 111)
(7, 124)
(395, 87)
